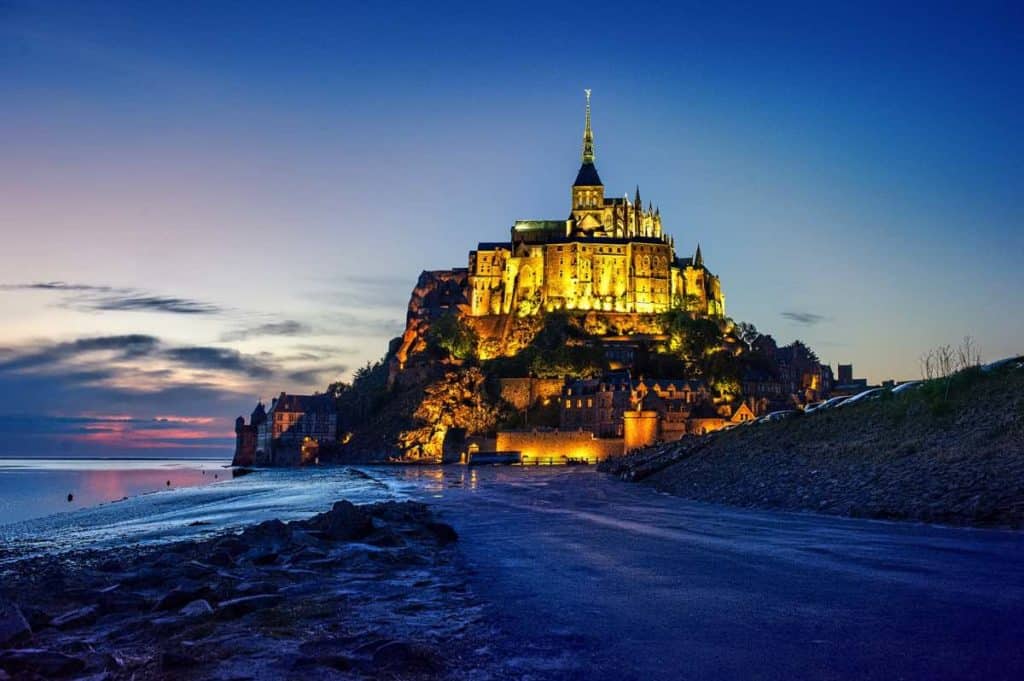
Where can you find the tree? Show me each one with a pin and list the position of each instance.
(453, 335)
(692, 339)
(747, 333)
(368, 390)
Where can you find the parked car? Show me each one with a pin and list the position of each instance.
(813, 407)
(1016, 361)
(904, 387)
(832, 403)
(872, 394)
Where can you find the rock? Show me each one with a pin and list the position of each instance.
(237, 607)
(45, 663)
(406, 657)
(176, 659)
(270, 533)
(181, 596)
(386, 538)
(345, 521)
(145, 577)
(13, 624)
(37, 618)
(444, 532)
(252, 588)
(221, 559)
(306, 555)
(110, 566)
(399, 511)
(195, 569)
(233, 546)
(196, 609)
(338, 661)
(265, 558)
(76, 618)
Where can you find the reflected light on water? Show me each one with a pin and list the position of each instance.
(35, 488)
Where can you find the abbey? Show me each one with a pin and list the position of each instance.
(611, 254)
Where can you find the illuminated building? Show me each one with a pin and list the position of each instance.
(294, 428)
(610, 255)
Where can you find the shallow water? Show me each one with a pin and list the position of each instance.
(32, 488)
(175, 513)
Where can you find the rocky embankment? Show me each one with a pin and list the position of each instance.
(364, 592)
(947, 453)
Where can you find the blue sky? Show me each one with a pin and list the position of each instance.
(255, 187)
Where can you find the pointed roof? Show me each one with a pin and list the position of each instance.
(587, 176)
(588, 136)
(698, 258)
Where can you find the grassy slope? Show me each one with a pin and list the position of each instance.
(923, 455)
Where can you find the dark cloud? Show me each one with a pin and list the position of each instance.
(288, 327)
(220, 359)
(805, 318)
(31, 424)
(136, 377)
(57, 286)
(109, 298)
(147, 303)
(131, 346)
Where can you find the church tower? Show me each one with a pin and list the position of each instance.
(587, 190)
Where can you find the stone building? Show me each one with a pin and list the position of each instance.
(596, 405)
(660, 408)
(294, 429)
(610, 254)
(245, 436)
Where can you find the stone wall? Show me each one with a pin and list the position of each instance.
(524, 392)
(640, 429)
(556, 447)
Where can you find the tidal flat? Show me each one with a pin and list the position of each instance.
(556, 573)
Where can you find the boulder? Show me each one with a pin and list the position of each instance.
(443, 532)
(181, 596)
(176, 659)
(76, 618)
(386, 538)
(221, 558)
(231, 545)
(45, 663)
(237, 607)
(265, 558)
(37, 618)
(253, 588)
(13, 625)
(196, 609)
(345, 521)
(404, 657)
(270, 533)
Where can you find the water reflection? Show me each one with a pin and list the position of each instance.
(36, 488)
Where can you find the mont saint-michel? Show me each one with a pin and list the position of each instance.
(366, 341)
(578, 339)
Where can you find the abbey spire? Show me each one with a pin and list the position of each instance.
(587, 176)
(588, 136)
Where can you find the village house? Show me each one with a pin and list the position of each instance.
(290, 432)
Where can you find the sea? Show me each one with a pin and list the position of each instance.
(54, 505)
(32, 488)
